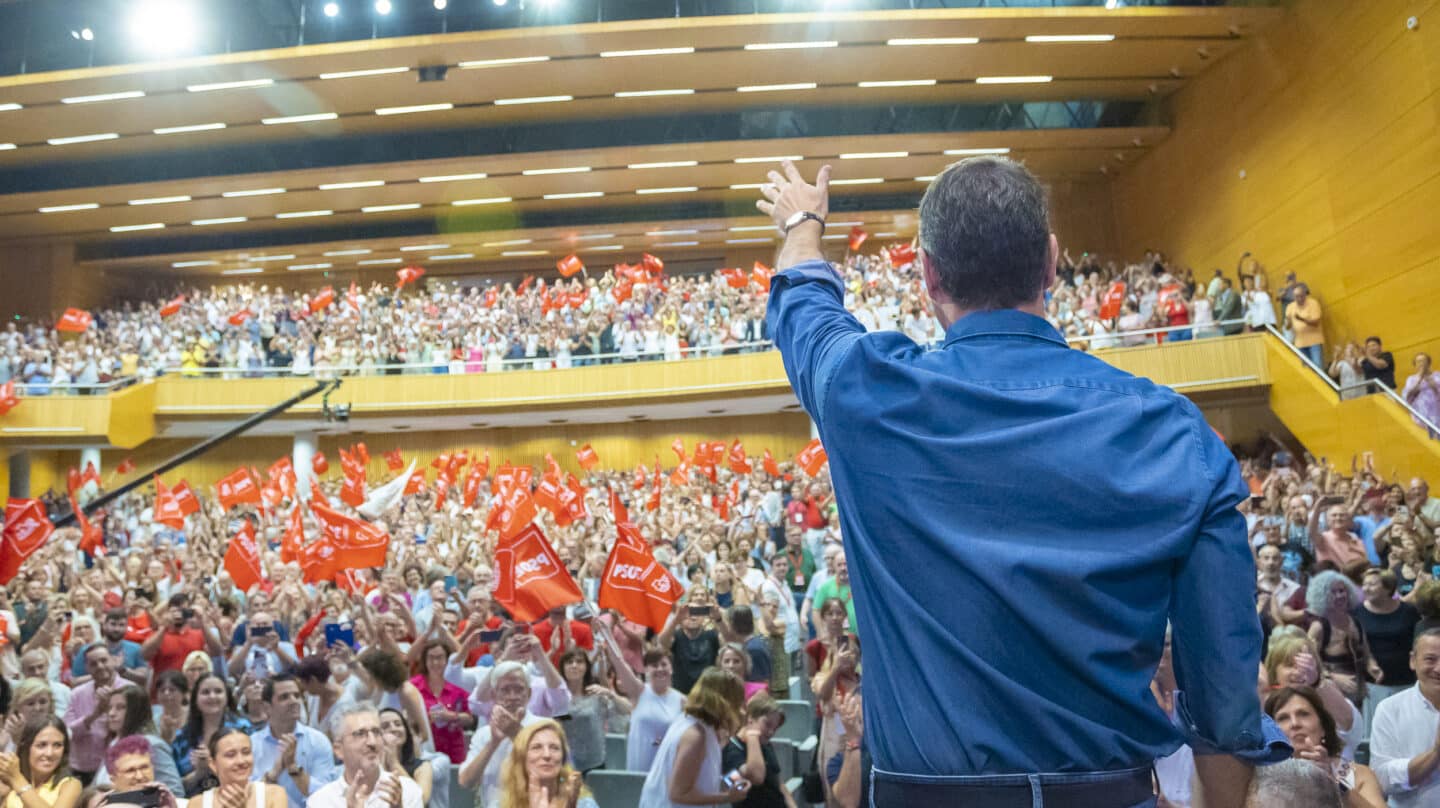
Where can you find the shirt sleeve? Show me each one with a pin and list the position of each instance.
(548, 701)
(1392, 770)
(809, 323)
(1216, 635)
(320, 763)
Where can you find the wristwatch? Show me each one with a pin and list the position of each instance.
(294, 771)
(797, 217)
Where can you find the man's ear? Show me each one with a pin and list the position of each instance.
(933, 287)
(1052, 261)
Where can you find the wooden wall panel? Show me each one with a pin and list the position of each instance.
(1332, 115)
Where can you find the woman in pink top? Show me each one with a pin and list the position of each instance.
(447, 705)
(735, 659)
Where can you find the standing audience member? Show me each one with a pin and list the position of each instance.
(657, 706)
(402, 759)
(1389, 627)
(1378, 364)
(1303, 317)
(751, 753)
(1422, 391)
(86, 714)
(687, 768)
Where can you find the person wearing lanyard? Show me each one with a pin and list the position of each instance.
(994, 544)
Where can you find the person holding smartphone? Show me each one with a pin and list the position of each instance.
(691, 639)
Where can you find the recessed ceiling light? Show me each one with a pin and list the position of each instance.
(355, 74)
(493, 200)
(752, 228)
(514, 60)
(414, 108)
(286, 257)
(925, 179)
(416, 247)
(294, 267)
(900, 83)
(873, 155)
(160, 200)
(455, 177)
(125, 228)
(678, 244)
(334, 253)
(90, 99)
(672, 232)
(604, 248)
(757, 46)
(844, 224)
(183, 264)
(67, 208)
(971, 152)
(523, 253)
(340, 186)
(224, 220)
(771, 88)
(314, 116)
(595, 237)
(1071, 38)
(679, 189)
(511, 243)
(452, 257)
(198, 127)
(10, 107)
(1013, 79)
(532, 172)
(254, 192)
(537, 99)
(645, 52)
(389, 208)
(374, 261)
(934, 40)
(865, 181)
(748, 186)
(63, 141)
(670, 164)
(650, 93)
(6, 146)
(749, 240)
(791, 157)
(303, 214)
(229, 85)
(243, 271)
(576, 195)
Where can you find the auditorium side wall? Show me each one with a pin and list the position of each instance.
(1332, 115)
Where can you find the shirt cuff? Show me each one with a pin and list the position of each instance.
(1270, 747)
(817, 270)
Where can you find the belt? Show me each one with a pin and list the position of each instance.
(1107, 789)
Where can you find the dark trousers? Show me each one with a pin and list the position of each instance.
(1128, 788)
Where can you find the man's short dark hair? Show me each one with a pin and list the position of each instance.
(985, 224)
(267, 690)
(1432, 632)
(117, 613)
(742, 620)
(1375, 340)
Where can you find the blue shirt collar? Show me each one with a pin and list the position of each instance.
(1002, 322)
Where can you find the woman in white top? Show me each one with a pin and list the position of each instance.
(1202, 316)
(1259, 311)
(656, 708)
(687, 767)
(233, 762)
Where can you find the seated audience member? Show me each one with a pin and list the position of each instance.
(402, 757)
(364, 782)
(130, 764)
(1293, 784)
(1405, 741)
(751, 753)
(287, 753)
(657, 706)
(510, 688)
(38, 774)
(1330, 600)
(128, 715)
(86, 714)
(233, 762)
(687, 768)
(1293, 661)
(1302, 716)
(212, 709)
(536, 775)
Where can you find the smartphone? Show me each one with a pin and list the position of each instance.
(583, 612)
(208, 581)
(491, 635)
(844, 642)
(148, 797)
(699, 611)
(334, 632)
(260, 631)
(450, 583)
(732, 779)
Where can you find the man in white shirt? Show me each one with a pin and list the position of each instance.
(776, 589)
(1405, 741)
(491, 744)
(357, 742)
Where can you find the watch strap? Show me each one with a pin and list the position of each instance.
(805, 215)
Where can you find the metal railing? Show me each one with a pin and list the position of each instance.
(45, 389)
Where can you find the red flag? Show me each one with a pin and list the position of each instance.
(472, 485)
(319, 463)
(318, 560)
(681, 474)
(409, 274)
(416, 483)
(575, 502)
(282, 474)
(242, 558)
(531, 579)
(173, 307)
(167, 507)
(1114, 298)
(735, 278)
(92, 536)
(812, 458)
(637, 586)
(653, 503)
(576, 299)
(350, 581)
(126, 466)
(8, 399)
(237, 487)
(547, 495)
(618, 509)
(90, 474)
(76, 321)
(587, 458)
(525, 284)
(902, 254)
(72, 481)
(352, 491)
(652, 263)
(292, 541)
(678, 447)
(739, 463)
(570, 265)
(511, 510)
(317, 495)
(393, 460)
(628, 533)
(239, 317)
(492, 296)
(762, 274)
(771, 467)
(27, 527)
(185, 498)
(322, 300)
(552, 469)
(484, 465)
(857, 237)
(639, 482)
(358, 544)
(362, 452)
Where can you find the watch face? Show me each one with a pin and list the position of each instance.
(795, 218)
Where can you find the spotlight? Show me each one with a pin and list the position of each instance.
(501, 2)
(162, 26)
(87, 35)
(441, 4)
(382, 6)
(332, 9)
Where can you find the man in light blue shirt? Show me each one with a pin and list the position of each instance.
(288, 753)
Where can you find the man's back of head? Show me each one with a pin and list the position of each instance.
(1293, 784)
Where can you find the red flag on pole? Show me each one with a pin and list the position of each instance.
(353, 296)
(292, 542)
(167, 507)
(185, 498)
(1113, 300)
(652, 264)
(126, 466)
(639, 482)
(570, 265)
(532, 580)
(762, 274)
(92, 536)
(575, 503)
(72, 480)
(678, 447)
(362, 452)
(322, 300)
(681, 474)
(857, 237)
(739, 463)
(587, 458)
(236, 488)
(735, 278)
(618, 509)
(511, 510)
(472, 485)
(901, 254)
(239, 317)
(637, 586)
(393, 460)
(352, 491)
(8, 399)
(771, 467)
(242, 558)
(416, 483)
(812, 458)
(318, 560)
(27, 527)
(653, 503)
(319, 464)
(358, 544)
(173, 307)
(90, 474)
(282, 474)
(547, 496)
(409, 274)
(76, 321)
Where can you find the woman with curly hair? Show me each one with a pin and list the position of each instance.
(687, 767)
(536, 775)
(1330, 599)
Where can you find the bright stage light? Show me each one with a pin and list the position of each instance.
(441, 4)
(382, 6)
(161, 27)
(501, 2)
(332, 9)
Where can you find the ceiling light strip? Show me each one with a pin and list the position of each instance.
(794, 158)
(934, 40)
(1070, 38)
(198, 127)
(1014, 79)
(873, 155)
(222, 220)
(314, 116)
(229, 85)
(68, 208)
(679, 189)
(390, 208)
(253, 192)
(160, 200)
(340, 186)
(493, 200)
(126, 228)
(775, 88)
(652, 93)
(303, 214)
(414, 108)
(418, 247)
(184, 264)
(576, 195)
(337, 253)
(668, 164)
(514, 60)
(355, 74)
(294, 267)
(973, 152)
(91, 99)
(535, 172)
(65, 141)
(764, 46)
(378, 261)
(900, 83)
(455, 177)
(864, 181)
(645, 52)
(538, 99)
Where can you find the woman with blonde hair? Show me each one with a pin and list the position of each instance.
(535, 774)
(687, 767)
(1294, 661)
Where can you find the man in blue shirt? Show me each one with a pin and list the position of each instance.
(1021, 522)
(288, 753)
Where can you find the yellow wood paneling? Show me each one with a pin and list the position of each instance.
(1198, 365)
(132, 416)
(1333, 117)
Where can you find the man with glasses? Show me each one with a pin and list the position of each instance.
(355, 737)
(491, 744)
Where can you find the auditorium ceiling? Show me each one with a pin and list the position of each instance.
(502, 150)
